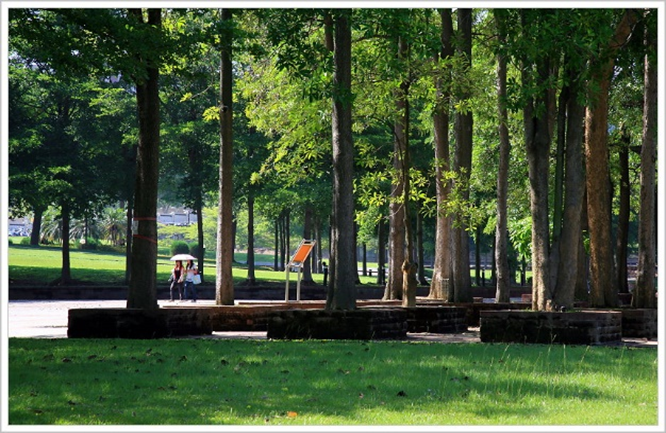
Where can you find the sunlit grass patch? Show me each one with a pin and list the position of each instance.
(207, 381)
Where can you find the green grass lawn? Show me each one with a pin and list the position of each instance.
(267, 383)
(41, 265)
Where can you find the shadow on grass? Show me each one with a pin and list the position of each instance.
(201, 381)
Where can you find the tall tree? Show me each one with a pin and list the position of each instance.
(574, 190)
(644, 292)
(143, 285)
(462, 165)
(224, 288)
(537, 143)
(342, 288)
(441, 273)
(603, 292)
(503, 286)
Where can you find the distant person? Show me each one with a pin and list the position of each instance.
(177, 278)
(190, 288)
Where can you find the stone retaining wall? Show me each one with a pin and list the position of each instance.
(579, 327)
(365, 323)
(639, 322)
(437, 320)
(359, 324)
(474, 308)
(137, 323)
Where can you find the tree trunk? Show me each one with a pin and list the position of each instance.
(66, 271)
(131, 159)
(622, 238)
(250, 280)
(477, 255)
(581, 290)
(276, 252)
(306, 276)
(644, 293)
(463, 165)
(224, 283)
(408, 266)
(381, 253)
(342, 287)
(143, 281)
(364, 259)
(574, 184)
(502, 271)
(441, 273)
(36, 225)
(419, 247)
(357, 278)
(318, 248)
(200, 237)
(537, 143)
(128, 244)
(604, 288)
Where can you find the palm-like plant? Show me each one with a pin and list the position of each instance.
(85, 228)
(51, 226)
(114, 225)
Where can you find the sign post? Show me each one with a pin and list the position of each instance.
(297, 261)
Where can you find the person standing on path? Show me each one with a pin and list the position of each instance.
(176, 280)
(190, 288)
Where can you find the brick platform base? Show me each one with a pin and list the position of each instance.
(359, 324)
(579, 327)
(137, 323)
(639, 322)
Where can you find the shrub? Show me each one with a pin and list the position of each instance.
(24, 241)
(194, 250)
(89, 244)
(111, 248)
(179, 247)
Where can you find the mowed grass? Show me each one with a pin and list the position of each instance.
(267, 383)
(42, 265)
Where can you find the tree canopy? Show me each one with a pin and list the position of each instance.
(525, 132)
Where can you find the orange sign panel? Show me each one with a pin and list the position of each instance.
(303, 252)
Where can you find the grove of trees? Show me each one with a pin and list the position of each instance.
(532, 131)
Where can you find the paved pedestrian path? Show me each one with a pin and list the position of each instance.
(48, 319)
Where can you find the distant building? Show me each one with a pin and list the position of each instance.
(176, 216)
(20, 226)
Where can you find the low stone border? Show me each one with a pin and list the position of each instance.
(359, 324)
(577, 327)
(137, 323)
(437, 319)
(639, 322)
(365, 323)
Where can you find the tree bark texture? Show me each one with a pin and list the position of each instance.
(342, 288)
(462, 165)
(306, 276)
(622, 237)
(143, 280)
(603, 291)
(574, 190)
(503, 275)
(644, 293)
(537, 142)
(250, 239)
(66, 271)
(224, 284)
(441, 274)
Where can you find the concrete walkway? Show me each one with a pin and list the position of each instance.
(48, 319)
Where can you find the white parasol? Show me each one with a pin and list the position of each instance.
(183, 257)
